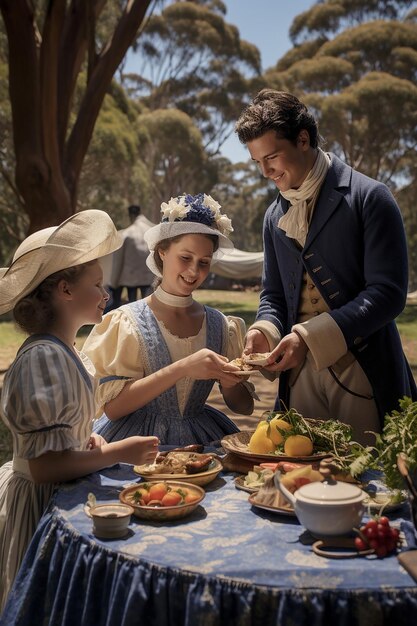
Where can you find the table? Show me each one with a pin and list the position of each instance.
(226, 564)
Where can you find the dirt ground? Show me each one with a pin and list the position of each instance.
(266, 391)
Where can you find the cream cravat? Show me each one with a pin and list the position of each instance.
(296, 219)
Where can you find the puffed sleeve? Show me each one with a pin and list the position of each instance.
(237, 331)
(46, 402)
(113, 347)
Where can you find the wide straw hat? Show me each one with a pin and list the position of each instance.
(83, 237)
(188, 215)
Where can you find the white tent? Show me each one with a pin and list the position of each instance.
(239, 264)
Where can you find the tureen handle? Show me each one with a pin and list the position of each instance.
(327, 470)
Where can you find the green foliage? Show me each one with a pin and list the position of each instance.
(355, 64)
(398, 436)
(196, 62)
(172, 152)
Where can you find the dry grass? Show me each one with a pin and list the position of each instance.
(243, 304)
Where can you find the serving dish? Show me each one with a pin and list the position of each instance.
(272, 509)
(201, 478)
(326, 508)
(382, 502)
(237, 443)
(163, 513)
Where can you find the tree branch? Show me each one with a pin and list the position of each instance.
(48, 78)
(19, 21)
(71, 55)
(101, 77)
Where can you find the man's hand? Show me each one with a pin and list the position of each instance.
(290, 352)
(255, 342)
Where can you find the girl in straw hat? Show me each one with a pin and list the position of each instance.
(54, 286)
(158, 358)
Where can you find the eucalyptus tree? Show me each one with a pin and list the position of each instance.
(51, 46)
(355, 63)
(192, 59)
(172, 152)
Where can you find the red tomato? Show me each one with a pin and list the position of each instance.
(191, 497)
(157, 491)
(172, 498)
(144, 496)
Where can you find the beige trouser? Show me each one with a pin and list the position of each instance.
(317, 394)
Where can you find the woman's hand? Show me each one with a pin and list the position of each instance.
(206, 364)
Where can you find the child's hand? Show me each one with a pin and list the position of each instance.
(95, 441)
(140, 450)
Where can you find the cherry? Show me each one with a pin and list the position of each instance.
(378, 535)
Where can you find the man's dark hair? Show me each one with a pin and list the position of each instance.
(279, 111)
(134, 210)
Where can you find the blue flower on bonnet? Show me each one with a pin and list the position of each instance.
(200, 208)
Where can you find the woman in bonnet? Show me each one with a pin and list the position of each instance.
(54, 286)
(158, 358)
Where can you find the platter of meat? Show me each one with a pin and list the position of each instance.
(193, 467)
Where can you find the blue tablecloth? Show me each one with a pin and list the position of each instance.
(226, 564)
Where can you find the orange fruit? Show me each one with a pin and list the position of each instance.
(172, 498)
(157, 491)
(274, 434)
(298, 445)
(259, 442)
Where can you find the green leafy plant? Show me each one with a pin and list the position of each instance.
(399, 435)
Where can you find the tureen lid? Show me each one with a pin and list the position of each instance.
(329, 493)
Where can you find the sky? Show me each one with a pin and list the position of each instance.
(266, 24)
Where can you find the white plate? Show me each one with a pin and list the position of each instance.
(240, 484)
(381, 502)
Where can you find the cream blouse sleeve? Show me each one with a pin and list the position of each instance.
(113, 347)
(237, 332)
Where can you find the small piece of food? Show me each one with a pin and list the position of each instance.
(298, 445)
(241, 364)
(257, 358)
(199, 465)
(259, 442)
(275, 425)
(256, 478)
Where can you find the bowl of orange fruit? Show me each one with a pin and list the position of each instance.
(162, 501)
(277, 437)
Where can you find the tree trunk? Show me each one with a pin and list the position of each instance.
(43, 72)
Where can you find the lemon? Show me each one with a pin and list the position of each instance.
(260, 443)
(274, 434)
(261, 424)
(298, 445)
